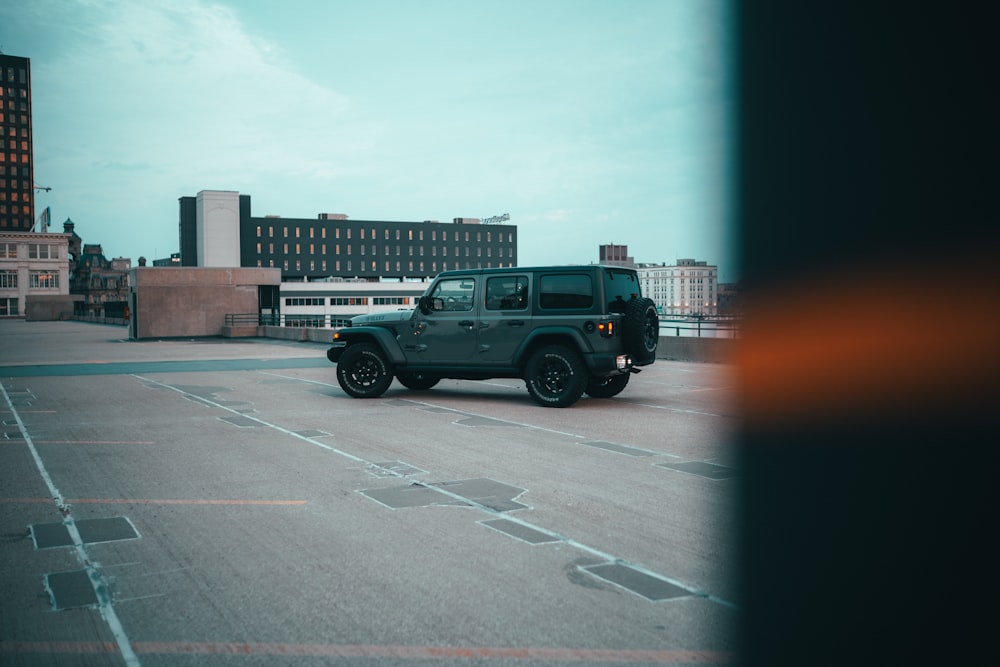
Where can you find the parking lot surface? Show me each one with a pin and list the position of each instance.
(217, 501)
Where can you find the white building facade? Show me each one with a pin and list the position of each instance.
(334, 303)
(689, 287)
(31, 264)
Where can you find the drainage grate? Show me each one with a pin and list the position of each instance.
(50, 535)
(520, 531)
(640, 583)
(487, 492)
(70, 590)
(703, 469)
(483, 421)
(242, 422)
(312, 433)
(621, 449)
(414, 495)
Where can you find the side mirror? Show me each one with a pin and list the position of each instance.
(423, 306)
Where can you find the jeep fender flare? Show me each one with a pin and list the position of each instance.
(381, 336)
(547, 335)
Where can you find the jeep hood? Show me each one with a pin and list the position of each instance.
(381, 317)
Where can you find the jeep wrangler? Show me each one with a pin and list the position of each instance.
(565, 330)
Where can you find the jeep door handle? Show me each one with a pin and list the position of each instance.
(466, 323)
(515, 323)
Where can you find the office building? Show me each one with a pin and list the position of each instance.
(689, 287)
(17, 180)
(217, 229)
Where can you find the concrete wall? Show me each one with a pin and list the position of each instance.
(43, 307)
(169, 302)
(690, 348)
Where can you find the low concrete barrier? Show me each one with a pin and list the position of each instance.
(689, 348)
(672, 348)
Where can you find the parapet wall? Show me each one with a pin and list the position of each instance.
(673, 348)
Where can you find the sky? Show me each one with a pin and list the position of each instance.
(586, 121)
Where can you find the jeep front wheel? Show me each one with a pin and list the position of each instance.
(556, 376)
(363, 371)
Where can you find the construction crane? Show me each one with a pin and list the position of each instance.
(42, 187)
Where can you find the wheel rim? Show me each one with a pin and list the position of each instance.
(554, 376)
(366, 372)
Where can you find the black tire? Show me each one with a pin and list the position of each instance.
(641, 330)
(607, 387)
(417, 381)
(363, 371)
(556, 376)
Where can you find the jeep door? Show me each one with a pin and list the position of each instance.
(504, 317)
(447, 332)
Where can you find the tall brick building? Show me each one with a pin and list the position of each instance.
(17, 184)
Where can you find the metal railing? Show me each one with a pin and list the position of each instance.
(700, 326)
(281, 320)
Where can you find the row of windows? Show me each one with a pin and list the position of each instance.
(13, 117)
(349, 266)
(410, 236)
(348, 301)
(7, 210)
(13, 157)
(22, 77)
(373, 250)
(36, 280)
(13, 92)
(35, 251)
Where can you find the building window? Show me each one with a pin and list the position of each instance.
(8, 250)
(8, 279)
(8, 307)
(43, 280)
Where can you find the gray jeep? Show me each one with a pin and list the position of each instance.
(565, 330)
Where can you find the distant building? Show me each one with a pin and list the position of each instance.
(101, 284)
(217, 229)
(17, 178)
(688, 287)
(32, 265)
(615, 255)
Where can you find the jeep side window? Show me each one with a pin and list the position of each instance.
(453, 294)
(574, 291)
(620, 287)
(507, 293)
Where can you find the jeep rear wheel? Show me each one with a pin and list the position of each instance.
(641, 330)
(556, 376)
(608, 386)
(417, 381)
(363, 371)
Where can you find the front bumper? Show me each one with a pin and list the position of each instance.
(333, 354)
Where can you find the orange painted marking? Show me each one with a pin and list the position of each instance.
(375, 651)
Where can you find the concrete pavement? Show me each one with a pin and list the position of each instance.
(222, 501)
